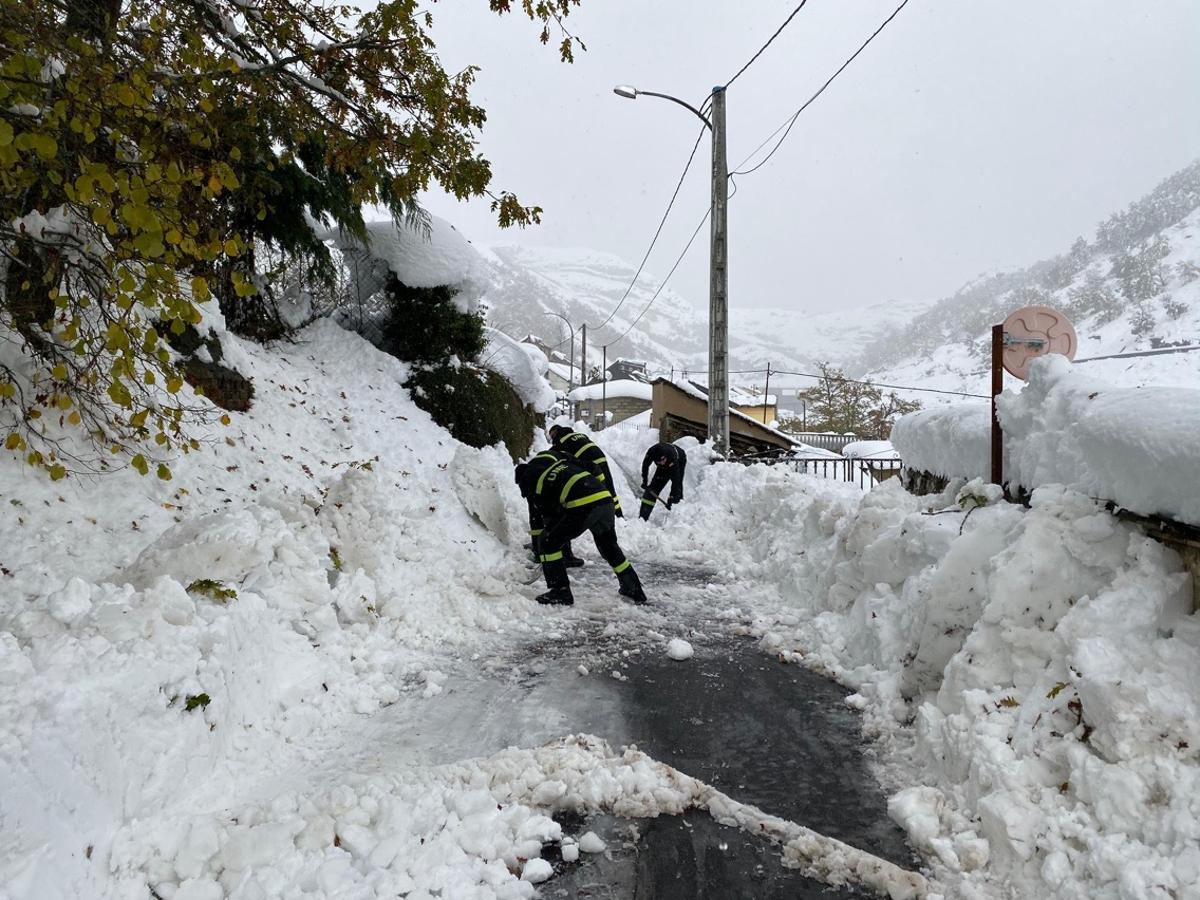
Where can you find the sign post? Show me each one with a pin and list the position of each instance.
(1030, 332)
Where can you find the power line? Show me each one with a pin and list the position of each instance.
(778, 31)
(662, 222)
(663, 284)
(1161, 351)
(879, 384)
(786, 127)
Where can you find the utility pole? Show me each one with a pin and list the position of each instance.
(583, 356)
(767, 395)
(604, 391)
(718, 286)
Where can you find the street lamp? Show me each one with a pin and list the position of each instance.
(718, 276)
(571, 369)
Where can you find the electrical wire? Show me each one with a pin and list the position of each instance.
(778, 31)
(658, 231)
(786, 127)
(663, 284)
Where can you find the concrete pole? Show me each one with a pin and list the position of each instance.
(583, 355)
(718, 286)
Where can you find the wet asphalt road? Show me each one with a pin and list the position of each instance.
(773, 735)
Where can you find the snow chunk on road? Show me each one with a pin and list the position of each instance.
(592, 843)
(536, 871)
(679, 649)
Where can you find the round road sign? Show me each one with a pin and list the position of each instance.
(1034, 331)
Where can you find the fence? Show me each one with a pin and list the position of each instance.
(867, 472)
(823, 440)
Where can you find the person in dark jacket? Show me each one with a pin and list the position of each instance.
(669, 464)
(565, 500)
(584, 451)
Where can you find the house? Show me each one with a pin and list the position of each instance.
(680, 409)
(628, 370)
(609, 402)
(748, 402)
(563, 377)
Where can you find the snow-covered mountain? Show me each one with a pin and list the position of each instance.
(1134, 287)
(587, 285)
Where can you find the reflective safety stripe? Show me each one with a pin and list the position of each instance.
(622, 567)
(590, 498)
(601, 478)
(562, 498)
(552, 557)
(616, 501)
(536, 531)
(646, 501)
(583, 448)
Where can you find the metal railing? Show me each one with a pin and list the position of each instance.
(866, 472)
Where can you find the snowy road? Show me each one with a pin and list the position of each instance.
(775, 736)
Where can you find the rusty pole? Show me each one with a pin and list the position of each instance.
(997, 387)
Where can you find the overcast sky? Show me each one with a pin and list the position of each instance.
(971, 135)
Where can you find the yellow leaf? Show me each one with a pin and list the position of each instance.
(214, 183)
(225, 420)
(163, 472)
(13, 442)
(74, 418)
(139, 463)
(57, 472)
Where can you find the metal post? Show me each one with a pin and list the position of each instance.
(718, 286)
(997, 387)
(604, 391)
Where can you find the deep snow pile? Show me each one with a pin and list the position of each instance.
(163, 645)
(1134, 446)
(1030, 672)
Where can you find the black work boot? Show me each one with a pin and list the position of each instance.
(560, 587)
(559, 596)
(631, 586)
(572, 561)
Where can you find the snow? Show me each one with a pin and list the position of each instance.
(1133, 446)
(678, 649)
(951, 441)
(870, 450)
(1027, 673)
(237, 684)
(441, 256)
(592, 843)
(514, 361)
(621, 387)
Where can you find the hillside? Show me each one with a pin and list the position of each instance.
(586, 285)
(1134, 287)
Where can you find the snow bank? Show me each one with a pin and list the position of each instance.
(167, 647)
(1137, 446)
(523, 369)
(1029, 673)
(1134, 446)
(950, 441)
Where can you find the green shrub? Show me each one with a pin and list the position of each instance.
(477, 406)
(425, 326)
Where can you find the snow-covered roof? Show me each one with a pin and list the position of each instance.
(622, 387)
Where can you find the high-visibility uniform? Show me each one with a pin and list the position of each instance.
(565, 500)
(669, 462)
(584, 450)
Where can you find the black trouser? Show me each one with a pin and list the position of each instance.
(660, 480)
(598, 518)
(605, 475)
